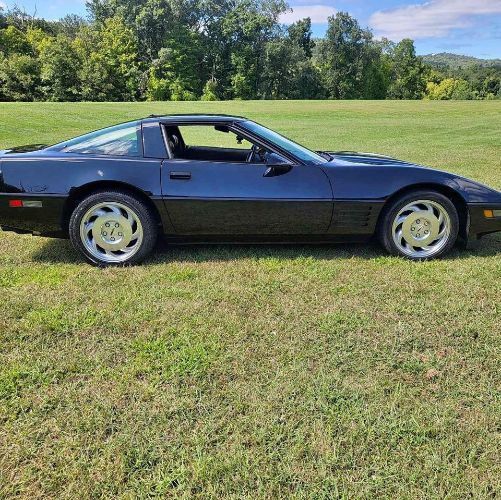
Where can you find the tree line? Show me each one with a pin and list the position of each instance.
(129, 50)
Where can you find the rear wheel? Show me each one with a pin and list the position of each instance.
(113, 228)
(421, 225)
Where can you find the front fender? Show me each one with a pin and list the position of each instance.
(371, 182)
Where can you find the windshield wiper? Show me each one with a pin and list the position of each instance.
(325, 155)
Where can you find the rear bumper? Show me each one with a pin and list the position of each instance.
(481, 225)
(44, 218)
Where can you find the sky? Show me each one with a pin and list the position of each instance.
(470, 27)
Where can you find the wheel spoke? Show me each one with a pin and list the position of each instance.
(114, 209)
(406, 244)
(94, 244)
(413, 208)
(400, 220)
(98, 213)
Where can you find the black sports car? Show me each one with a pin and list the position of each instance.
(221, 178)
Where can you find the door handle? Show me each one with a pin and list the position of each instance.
(185, 176)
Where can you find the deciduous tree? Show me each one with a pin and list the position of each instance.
(408, 72)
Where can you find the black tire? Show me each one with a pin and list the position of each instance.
(134, 207)
(389, 216)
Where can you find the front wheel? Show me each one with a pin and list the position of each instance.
(113, 228)
(421, 225)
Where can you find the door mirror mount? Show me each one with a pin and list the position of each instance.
(276, 170)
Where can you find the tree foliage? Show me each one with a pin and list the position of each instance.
(469, 82)
(110, 70)
(215, 49)
(345, 57)
(407, 72)
(450, 88)
(58, 62)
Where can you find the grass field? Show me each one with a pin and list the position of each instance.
(259, 372)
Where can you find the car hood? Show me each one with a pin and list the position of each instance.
(347, 158)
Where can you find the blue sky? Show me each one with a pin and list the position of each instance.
(471, 27)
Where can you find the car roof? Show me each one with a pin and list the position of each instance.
(194, 118)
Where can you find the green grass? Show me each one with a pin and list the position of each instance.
(212, 372)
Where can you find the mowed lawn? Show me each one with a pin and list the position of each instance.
(257, 371)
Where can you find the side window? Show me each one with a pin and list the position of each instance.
(216, 143)
(121, 140)
(212, 137)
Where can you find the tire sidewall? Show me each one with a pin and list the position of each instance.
(386, 227)
(144, 213)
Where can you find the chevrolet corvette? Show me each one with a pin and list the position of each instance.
(208, 178)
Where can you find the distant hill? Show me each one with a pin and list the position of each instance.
(455, 61)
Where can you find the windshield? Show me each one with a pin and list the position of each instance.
(282, 142)
(120, 140)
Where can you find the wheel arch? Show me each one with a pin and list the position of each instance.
(456, 198)
(82, 192)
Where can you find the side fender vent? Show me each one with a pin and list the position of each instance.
(353, 215)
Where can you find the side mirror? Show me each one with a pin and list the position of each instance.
(276, 170)
(277, 165)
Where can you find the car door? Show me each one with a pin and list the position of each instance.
(218, 198)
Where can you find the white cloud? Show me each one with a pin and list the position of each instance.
(317, 13)
(433, 19)
(3, 5)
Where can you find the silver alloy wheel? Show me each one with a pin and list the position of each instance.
(421, 229)
(111, 232)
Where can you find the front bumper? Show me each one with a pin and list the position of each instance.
(480, 225)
